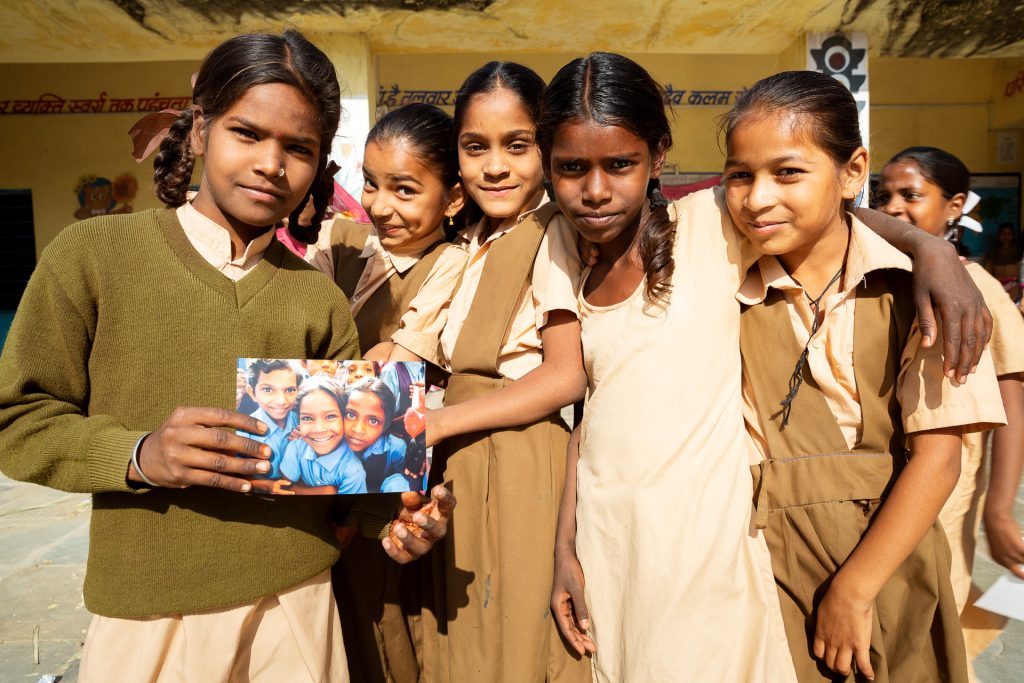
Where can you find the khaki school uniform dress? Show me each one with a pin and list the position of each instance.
(405, 297)
(486, 617)
(961, 517)
(866, 384)
(678, 582)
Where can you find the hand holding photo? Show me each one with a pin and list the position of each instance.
(337, 427)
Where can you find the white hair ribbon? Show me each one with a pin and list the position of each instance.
(969, 204)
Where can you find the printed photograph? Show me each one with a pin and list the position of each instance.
(337, 426)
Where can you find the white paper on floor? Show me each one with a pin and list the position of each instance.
(1006, 597)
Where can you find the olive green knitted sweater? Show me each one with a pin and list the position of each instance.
(122, 322)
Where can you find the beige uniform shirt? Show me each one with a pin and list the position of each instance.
(552, 286)
(929, 400)
(214, 244)
(421, 325)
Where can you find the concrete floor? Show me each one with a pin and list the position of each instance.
(43, 542)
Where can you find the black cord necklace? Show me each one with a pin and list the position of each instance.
(797, 378)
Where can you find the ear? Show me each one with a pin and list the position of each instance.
(658, 161)
(456, 200)
(197, 136)
(955, 206)
(855, 174)
(248, 390)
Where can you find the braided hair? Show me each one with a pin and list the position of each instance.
(612, 90)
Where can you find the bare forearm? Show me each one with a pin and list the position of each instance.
(899, 234)
(397, 352)
(906, 515)
(535, 396)
(558, 381)
(1007, 452)
(565, 533)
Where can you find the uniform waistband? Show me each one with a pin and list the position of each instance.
(820, 478)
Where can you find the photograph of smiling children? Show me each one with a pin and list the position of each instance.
(337, 427)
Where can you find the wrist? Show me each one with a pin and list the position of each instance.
(997, 515)
(435, 425)
(135, 477)
(853, 586)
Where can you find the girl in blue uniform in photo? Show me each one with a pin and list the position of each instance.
(369, 410)
(320, 461)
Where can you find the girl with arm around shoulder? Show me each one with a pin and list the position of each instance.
(858, 427)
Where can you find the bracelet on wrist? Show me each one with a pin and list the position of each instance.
(135, 462)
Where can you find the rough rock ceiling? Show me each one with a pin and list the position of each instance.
(945, 28)
(114, 30)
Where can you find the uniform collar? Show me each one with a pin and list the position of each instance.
(216, 238)
(401, 262)
(868, 252)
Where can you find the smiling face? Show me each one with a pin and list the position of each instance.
(499, 160)
(600, 176)
(364, 420)
(275, 393)
(271, 127)
(320, 422)
(405, 199)
(782, 189)
(905, 193)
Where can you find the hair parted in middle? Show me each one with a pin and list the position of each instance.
(612, 90)
(816, 105)
(227, 73)
(521, 81)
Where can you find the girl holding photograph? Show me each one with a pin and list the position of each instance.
(512, 344)
(90, 401)
(398, 274)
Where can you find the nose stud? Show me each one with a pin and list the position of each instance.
(280, 172)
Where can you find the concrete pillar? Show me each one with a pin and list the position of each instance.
(844, 57)
(354, 61)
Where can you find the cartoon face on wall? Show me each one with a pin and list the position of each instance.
(99, 196)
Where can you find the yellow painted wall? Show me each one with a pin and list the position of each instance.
(943, 103)
(694, 127)
(946, 103)
(49, 153)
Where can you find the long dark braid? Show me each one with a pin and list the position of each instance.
(172, 167)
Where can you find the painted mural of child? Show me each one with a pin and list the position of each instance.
(320, 461)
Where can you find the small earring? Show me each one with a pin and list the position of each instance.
(280, 172)
(951, 222)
